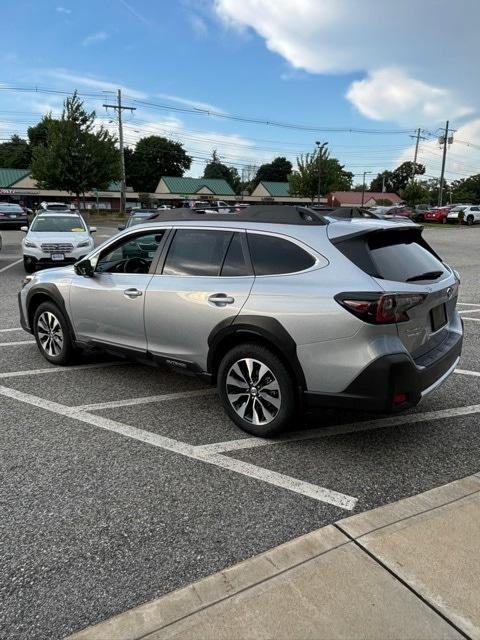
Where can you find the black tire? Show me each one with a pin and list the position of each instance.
(28, 266)
(271, 418)
(49, 320)
(470, 220)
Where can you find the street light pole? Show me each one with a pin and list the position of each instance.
(320, 146)
(363, 186)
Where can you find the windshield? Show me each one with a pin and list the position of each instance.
(58, 224)
(138, 219)
(11, 208)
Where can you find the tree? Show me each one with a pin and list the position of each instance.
(74, 157)
(396, 180)
(276, 171)
(333, 177)
(152, 158)
(38, 134)
(466, 190)
(15, 154)
(415, 193)
(216, 169)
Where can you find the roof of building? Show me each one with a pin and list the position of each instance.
(354, 197)
(8, 177)
(190, 186)
(277, 189)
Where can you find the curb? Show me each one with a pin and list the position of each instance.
(177, 605)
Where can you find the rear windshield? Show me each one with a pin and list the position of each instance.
(11, 208)
(55, 224)
(402, 257)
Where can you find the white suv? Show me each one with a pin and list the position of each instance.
(471, 214)
(56, 239)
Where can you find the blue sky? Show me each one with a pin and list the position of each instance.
(323, 63)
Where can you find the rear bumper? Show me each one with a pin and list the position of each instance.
(393, 375)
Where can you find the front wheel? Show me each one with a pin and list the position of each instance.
(256, 389)
(470, 220)
(52, 334)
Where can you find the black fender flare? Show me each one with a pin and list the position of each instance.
(268, 329)
(52, 292)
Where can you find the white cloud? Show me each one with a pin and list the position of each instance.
(136, 14)
(195, 104)
(390, 94)
(345, 36)
(78, 80)
(63, 10)
(95, 38)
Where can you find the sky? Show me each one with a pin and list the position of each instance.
(362, 76)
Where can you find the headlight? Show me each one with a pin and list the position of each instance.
(84, 244)
(30, 244)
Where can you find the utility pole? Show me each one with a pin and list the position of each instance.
(415, 156)
(446, 141)
(320, 147)
(119, 107)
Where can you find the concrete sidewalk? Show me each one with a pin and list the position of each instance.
(408, 570)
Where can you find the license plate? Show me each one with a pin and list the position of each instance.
(12, 215)
(438, 317)
(58, 256)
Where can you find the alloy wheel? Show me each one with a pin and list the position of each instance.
(50, 333)
(253, 391)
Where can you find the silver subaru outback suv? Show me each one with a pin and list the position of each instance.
(280, 307)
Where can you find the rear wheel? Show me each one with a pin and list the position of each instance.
(256, 389)
(52, 334)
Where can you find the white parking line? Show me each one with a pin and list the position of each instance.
(9, 266)
(468, 304)
(14, 329)
(145, 399)
(16, 343)
(246, 469)
(80, 367)
(469, 311)
(321, 432)
(473, 319)
(467, 372)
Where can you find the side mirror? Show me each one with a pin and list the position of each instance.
(84, 268)
(121, 227)
(92, 229)
(24, 229)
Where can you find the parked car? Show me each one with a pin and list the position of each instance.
(12, 216)
(439, 214)
(471, 214)
(139, 216)
(276, 306)
(54, 239)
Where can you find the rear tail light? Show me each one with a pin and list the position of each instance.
(380, 308)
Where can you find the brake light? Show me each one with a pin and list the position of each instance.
(380, 308)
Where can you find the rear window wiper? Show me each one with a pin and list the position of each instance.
(428, 275)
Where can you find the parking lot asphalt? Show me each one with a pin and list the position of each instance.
(121, 483)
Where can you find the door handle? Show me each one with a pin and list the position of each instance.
(132, 293)
(220, 299)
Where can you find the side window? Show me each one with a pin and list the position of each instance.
(235, 263)
(132, 255)
(197, 252)
(272, 255)
(475, 209)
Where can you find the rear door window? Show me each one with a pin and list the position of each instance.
(235, 263)
(272, 255)
(197, 252)
(405, 261)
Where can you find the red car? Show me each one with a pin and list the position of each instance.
(437, 215)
